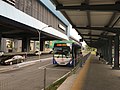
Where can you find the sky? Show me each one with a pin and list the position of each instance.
(74, 34)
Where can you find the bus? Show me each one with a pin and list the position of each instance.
(66, 53)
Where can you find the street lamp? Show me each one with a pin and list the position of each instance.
(39, 31)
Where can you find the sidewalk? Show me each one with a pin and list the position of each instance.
(99, 77)
(67, 84)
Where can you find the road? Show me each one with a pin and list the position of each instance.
(32, 77)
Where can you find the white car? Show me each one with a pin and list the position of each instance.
(37, 52)
(13, 59)
(1, 53)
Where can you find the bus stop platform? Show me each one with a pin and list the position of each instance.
(94, 75)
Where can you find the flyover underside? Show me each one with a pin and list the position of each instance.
(16, 30)
(23, 24)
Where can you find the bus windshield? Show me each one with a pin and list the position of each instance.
(62, 50)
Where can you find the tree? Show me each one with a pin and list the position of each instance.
(87, 48)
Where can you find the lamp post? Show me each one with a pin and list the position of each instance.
(39, 32)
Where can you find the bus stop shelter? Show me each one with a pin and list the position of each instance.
(97, 22)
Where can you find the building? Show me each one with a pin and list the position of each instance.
(23, 20)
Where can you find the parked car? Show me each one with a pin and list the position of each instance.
(37, 52)
(13, 59)
(1, 53)
(51, 52)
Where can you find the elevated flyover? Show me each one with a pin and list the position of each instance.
(19, 21)
(97, 21)
(17, 24)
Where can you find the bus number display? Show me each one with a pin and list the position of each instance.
(61, 45)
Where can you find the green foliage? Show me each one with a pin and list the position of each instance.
(87, 48)
(56, 85)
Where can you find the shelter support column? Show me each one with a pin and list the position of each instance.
(106, 51)
(103, 51)
(116, 52)
(100, 50)
(25, 45)
(110, 51)
(0, 40)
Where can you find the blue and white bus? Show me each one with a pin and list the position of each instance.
(66, 53)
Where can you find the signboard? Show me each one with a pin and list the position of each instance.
(61, 44)
(62, 27)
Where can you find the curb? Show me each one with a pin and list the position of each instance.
(65, 75)
(12, 68)
(21, 65)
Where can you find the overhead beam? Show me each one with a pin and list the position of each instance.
(116, 22)
(89, 18)
(92, 35)
(104, 36)
(109, 23)
(109, 29)
(88, 14)
(55, 2)
(111, 19)
(96, 43)
(91, 38)
(99, 28)
(84, 7)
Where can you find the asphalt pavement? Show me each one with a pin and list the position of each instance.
(30, 60)
(32, 77)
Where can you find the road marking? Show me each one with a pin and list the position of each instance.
(28, 62)
(24, 64)
(45, 59)
(42, 67)
(65, 75)
(58, 69)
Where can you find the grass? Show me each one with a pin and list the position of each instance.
(55, 85)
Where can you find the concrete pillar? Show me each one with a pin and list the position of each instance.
(25, 45)
(34, 46)
(3, 45)
(116, 52)
(17, 45)
(42, 45)
(15, 49)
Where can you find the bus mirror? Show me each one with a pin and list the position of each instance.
(81, 40)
